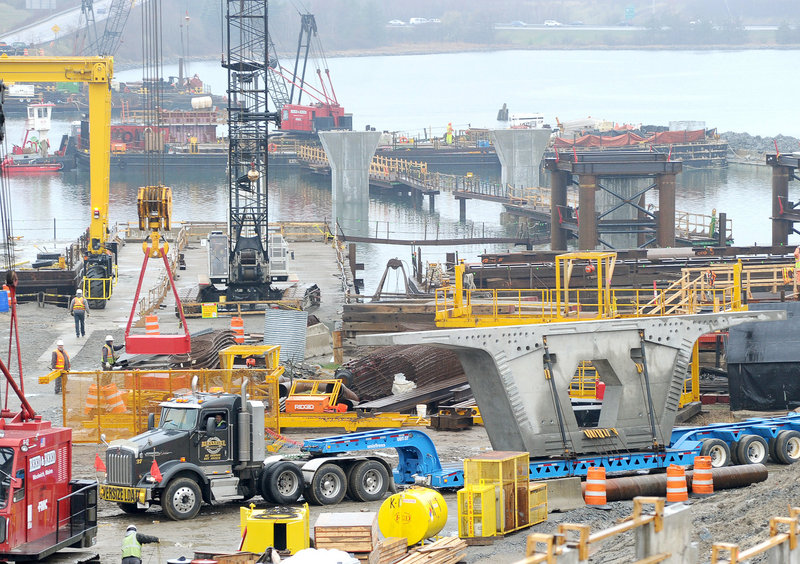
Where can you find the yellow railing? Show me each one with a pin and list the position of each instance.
(118, 403)
(107, 286)
(512, 307)
(584, 384)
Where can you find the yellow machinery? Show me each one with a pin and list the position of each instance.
(314, 396)
(96, 73)
(285, 528)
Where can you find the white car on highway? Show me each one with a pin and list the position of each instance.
(552, 23)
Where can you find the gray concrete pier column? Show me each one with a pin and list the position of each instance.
(350, 154)
(780, 191)
(462, 210)
(520, 152)
(558, 198)
(587, 214)
(666, 210)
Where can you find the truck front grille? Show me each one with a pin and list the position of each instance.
(119, 467)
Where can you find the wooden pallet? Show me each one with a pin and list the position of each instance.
(350, 532)
(447, 550)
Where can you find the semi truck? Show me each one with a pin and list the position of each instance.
(210, 447)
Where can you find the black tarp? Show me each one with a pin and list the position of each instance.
(764, 361)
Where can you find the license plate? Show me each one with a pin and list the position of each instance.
(121, 494)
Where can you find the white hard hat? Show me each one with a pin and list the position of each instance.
(59, 343)
(109, 338)
(78, 292)
(130, 528)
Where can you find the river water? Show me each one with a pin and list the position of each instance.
(740, 91)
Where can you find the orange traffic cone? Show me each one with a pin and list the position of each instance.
(237, 326)
(151, 325)
(676, 484)
(702, 479)
(595, 493)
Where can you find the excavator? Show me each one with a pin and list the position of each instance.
(99, 254)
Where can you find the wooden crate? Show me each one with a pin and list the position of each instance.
(350, 532)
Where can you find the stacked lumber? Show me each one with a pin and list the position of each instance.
(350, 532)
(390, 550)
(447, 550)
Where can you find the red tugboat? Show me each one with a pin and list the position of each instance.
(42, 509)
(33, 156)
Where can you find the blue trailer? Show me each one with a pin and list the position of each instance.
(747, 442)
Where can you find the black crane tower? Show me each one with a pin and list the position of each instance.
(248, 269)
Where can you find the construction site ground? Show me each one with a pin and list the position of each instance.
(739, 516)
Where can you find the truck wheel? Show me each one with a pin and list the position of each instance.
(368, 481)
(752, 449)
(282, 483)
(328, 485)
(786, 447)
(718, 450)
(182, 499)
(131, 508)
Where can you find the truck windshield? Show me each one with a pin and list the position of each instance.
(6, 467)
(174, 418)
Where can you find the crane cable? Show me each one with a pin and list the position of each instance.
(152, 91)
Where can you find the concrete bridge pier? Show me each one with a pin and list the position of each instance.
(462, 210)
(431, 203)
(520, 152)
(558, 204)
(350, 154)
(784, 213)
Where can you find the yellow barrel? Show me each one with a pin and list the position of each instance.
(416, 514)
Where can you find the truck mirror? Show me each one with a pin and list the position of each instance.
(151, 421)
(211, 425)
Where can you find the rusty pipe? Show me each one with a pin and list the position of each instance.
(618, 489)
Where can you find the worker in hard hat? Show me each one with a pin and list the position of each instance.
(132, 545)
(78, 310)
(109, 348)
(59, 361)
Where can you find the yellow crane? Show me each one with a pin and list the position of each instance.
(99, 257)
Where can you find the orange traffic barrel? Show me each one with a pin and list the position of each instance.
(595, 493)
(151, 325)
(113, 398)
(91, 399)
(702, 479)
(676, 484)
(237, 326)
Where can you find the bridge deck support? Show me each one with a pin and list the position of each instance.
(558, 201)
(520, 152)
(350, 154)
(587, 214)
(462, 210)
(666, 210)
(780, 193)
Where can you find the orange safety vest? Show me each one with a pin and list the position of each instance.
(60, 359)
(78, 304)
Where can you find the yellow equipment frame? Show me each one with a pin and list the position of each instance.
(96, 72)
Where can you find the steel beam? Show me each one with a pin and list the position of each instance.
(506, 369)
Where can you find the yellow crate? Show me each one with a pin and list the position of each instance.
(537, 503)
(496, 467)
(478, 514)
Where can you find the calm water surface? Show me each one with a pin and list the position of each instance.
(743, 91)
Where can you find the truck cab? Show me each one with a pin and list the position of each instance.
(206, 448)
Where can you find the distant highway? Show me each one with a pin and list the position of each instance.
(67, 21)
(623, 28)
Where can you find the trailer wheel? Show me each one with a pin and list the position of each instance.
(131, 508)
(182, 499)
(786, 447)
(718, 450)
(282, 483)
(752, 449)
(368, 481)
(328, 485)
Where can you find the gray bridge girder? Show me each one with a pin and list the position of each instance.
(506, 371)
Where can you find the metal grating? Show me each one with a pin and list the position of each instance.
(287, 328)
(119, 465)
